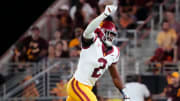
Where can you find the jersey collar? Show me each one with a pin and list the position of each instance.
(104, 51)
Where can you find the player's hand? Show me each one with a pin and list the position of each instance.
(109, 9)
(126, 99)
(125, 95)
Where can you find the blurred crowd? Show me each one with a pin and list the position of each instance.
(168, 41)
(72, 19)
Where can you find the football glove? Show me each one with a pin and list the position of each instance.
(125, 95)
(109, 9)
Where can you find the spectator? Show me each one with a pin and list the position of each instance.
(133, 86)
(144, 8)
(65, 22)
(76, 41)
(166, 40)
(126, 14)
(126, 22)
(51, 53)
(61, 50)
(57, 37)
(172, 91)
(82, 11)
(31, 48)
(128, 7)
(60, 90)
(72, 2)
(79, 14)
(74, 52)
(94, 5)
(175, 25)
(75, 44)
(30, 90)
(172, 21)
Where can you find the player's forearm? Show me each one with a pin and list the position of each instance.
(115, 76)
(117, 80)
(93, 25)
(118, 83)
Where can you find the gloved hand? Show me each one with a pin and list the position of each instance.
(125, 95)
(109, 9)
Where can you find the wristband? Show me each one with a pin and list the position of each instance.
(122, 91)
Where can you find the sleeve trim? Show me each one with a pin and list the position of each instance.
(86, 47)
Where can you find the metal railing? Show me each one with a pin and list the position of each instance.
(177, 7)
(129, 66)
(15, 73)
(43, 83)
(54, 77)
(139, 34)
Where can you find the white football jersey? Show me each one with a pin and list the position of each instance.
(93, 62)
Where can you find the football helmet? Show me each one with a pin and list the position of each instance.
(109, 32)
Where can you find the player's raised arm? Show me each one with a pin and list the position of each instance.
(109, 9)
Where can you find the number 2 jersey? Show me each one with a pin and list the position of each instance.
(94, 61)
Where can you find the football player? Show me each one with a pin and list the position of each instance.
(97, 55)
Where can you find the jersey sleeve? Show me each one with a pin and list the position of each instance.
(85, 43)
(117, 55)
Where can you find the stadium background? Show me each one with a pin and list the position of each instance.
(137, 45)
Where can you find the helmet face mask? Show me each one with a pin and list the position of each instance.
(108, 37)
(107, 33)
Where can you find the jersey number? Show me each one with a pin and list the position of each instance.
(95, 72)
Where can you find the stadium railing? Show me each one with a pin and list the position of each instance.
(177, 7)
(53, 79)
(138, 35)
(44, 83)
(16, 73)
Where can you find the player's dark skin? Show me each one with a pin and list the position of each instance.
(113, 71)
(115, 76)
